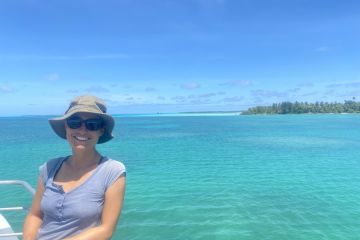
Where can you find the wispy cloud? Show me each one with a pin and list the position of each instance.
(136, 98)
(107, 56)
(150, 89)
(236, 83)
(202, 96)
(349, 94)
(233, 99)
(330, 92)
(191, 85)
(293, 90)
(322, 49)
(6, 89)
(191, 99)
(72, 91)
(130, 99)
(179, 99)
(344, 84)
(206, 98)
(52, 77)
(200, 101)
(207, 95)
(97, 89)
(305, 84)
(268, 93)
(309, 94)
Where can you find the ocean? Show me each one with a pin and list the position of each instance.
(214, 177)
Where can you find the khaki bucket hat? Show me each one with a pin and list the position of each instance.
(85, 104)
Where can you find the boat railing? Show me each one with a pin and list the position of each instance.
(30, 189)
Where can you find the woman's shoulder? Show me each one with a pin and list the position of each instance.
(47, 168)
(112, 164)
(111, 171)
(51, 163)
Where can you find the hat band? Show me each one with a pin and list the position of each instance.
(86, 108)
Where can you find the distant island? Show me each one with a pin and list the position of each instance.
(305, 107)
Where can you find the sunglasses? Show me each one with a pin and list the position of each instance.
(91, 124)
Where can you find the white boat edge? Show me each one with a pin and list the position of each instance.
(6, 231)
(5, 228)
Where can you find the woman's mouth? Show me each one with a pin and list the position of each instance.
(81, 139)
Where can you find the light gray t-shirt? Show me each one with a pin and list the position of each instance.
(67, 214)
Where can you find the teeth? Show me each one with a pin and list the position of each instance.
(81, 138)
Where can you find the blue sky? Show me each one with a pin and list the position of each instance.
(148, 56)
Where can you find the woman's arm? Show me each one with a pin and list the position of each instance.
(33, 219)
(114, 197)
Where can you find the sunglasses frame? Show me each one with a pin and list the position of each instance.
(91, 124)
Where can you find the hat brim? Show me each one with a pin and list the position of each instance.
(58, 125)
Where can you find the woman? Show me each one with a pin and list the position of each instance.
(79, 196)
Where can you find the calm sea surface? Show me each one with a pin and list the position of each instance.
(214, 177)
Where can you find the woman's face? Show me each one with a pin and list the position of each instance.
(81, 138)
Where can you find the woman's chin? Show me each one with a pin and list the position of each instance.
(80, 147)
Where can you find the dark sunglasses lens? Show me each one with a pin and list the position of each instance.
(73, 123)
(93, 124)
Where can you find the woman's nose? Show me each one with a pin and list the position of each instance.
(82, 127)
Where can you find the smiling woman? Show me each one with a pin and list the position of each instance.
(79, 196)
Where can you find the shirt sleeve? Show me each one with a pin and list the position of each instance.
(114, 170)
(43, 173)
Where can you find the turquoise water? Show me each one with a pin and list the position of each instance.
(216, 177)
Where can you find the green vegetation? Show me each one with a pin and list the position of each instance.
(305, 107)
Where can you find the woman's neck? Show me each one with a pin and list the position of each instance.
(84, 159)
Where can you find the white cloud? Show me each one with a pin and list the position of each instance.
(150, 89)
(345, 84)
(107, 56)
(97, 89)
(205, 95)
(191, 85)
(294, 90)
(134, 98)
(179, 99)
(322, 49)
(305, 84)
(53, 77)
(72, 91)
(309, 94)
(274, 94)
(236, 83)
(349, 94)
(233, 99)
(6, 89)
(268, 93)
